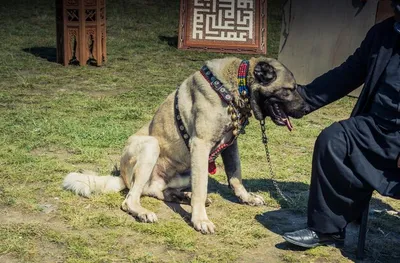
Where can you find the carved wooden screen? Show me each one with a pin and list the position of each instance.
(231, 26)
(81, 32)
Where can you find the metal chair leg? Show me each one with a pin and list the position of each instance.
(362, 234)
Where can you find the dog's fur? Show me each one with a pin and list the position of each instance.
(155, 159)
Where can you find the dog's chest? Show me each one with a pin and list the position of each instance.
(225, 137)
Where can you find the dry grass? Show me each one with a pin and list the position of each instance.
(55, 119)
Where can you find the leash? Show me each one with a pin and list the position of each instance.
(287, 199)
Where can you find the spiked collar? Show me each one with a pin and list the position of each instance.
(218, 86)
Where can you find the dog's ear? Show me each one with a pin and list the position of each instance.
(264, 73)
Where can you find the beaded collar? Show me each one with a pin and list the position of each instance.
(239, 110)
(242, 78)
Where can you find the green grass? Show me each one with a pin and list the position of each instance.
(55, 119)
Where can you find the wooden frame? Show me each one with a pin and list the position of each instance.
(250, 38)
(81, 32)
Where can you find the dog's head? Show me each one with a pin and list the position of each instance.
(273, 91)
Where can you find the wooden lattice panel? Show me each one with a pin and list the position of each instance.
(81, 32)
(233, 26)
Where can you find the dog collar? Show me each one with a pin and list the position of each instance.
(242, 78)
(243, 89)
(217, 85)
(179, 122)
(223, 93)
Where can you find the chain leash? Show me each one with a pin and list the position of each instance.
(271, 171)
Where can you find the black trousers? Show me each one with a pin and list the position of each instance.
(351, 159)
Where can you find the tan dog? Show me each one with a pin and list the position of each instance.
(155, 159)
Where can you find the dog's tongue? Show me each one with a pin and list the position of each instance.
(288, 123)
(279, 116)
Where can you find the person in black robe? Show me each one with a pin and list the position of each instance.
(354, 157)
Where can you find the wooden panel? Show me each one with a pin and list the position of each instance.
(229, 26)
(319, 35)
(81, 32)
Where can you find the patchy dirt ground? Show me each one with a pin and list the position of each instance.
(51, 234)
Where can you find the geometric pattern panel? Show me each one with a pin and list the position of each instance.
(232, 26)
(229, 20)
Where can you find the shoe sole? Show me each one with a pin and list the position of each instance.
(337, 244)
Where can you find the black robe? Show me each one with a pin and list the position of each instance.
(352, 157)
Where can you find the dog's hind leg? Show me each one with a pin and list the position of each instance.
(178, 185)
(174, 191)
(185, 197)
(230, 157)
(137, 163)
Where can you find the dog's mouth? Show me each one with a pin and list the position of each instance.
(277, 114)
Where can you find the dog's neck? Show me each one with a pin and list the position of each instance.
(235, 91)
(226, 70)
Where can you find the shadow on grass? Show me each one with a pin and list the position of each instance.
(252, 185)
(383, 238)
(258, 185)
(177, 208)
(48, 53)
(171, 41)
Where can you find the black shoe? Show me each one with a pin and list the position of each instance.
(308, 238)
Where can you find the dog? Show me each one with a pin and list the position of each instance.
(196, 123)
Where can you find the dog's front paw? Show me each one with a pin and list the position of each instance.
(253, 200)
(205, 226)
(147, 217)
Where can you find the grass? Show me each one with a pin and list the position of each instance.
(55, 119)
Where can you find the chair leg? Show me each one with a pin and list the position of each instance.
(362, 234)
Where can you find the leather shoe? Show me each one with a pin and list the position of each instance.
(308, 238)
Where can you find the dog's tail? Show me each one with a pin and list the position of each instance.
(89, 182)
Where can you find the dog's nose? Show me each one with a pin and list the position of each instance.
(307, 109)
